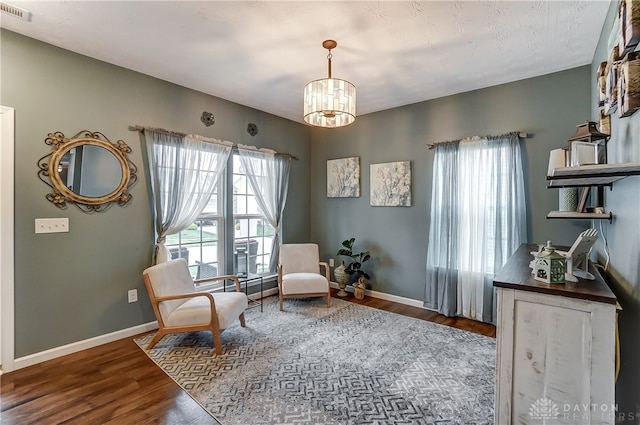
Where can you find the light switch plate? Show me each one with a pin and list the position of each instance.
(52, 225)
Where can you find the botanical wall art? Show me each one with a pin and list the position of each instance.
(391, 184)
(343, 177)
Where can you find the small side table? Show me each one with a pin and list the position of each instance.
(246, 280)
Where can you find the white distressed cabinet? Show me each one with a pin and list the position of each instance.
(556, 348)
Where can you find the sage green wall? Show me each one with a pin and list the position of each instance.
(623, 239)
(547, 107)
(73, 286)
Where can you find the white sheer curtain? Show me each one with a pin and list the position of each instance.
(268, 175)
(184, 170)
(478, 219)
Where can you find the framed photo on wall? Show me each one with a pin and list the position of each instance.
(629, 85)
(391, 184)
(629, 18)
(611, 83)
(343, 178)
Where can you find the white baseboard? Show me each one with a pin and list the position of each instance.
(383, 296)
(74, 347)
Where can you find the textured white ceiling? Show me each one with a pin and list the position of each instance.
(261, 54)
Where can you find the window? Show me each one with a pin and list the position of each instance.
(253, 235)
(478, 219)
(202, 243)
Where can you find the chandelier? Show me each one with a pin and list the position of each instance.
(329, 102)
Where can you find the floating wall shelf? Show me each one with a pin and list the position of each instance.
(580, 215)
(589, 175)
(592, 175)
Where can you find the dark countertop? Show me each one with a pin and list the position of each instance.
(516, 274)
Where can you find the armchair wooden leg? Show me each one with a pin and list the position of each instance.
(156, 339)
(329, 300)
(216, 341)
(242, 321)
(280, 301)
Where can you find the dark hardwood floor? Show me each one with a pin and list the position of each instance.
(117, 383)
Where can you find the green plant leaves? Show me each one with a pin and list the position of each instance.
(359, 258)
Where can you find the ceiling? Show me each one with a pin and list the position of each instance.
(262, 53)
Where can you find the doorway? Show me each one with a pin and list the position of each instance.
(7, 145)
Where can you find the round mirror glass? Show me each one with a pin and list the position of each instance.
(90, 171)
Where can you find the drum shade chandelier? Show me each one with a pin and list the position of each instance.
(329, 102)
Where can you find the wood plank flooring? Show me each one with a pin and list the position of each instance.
(117, 383)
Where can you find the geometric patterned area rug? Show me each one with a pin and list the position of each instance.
(349, 364)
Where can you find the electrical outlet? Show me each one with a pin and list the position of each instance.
(330, 262)
(52, 225)
(133, 295)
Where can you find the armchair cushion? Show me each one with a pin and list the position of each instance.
(229, 305)
(304, 283)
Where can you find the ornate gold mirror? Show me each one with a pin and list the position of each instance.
(87, 170)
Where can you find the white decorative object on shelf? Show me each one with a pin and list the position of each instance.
(557, 159)
(586, 153)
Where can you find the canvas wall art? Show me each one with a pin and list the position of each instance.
(391, 184)
(343, 178)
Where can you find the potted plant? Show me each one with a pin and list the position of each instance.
(354, 268)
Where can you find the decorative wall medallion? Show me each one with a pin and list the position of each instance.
(208, 119)
(252, 129)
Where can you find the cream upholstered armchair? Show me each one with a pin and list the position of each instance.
(179, 308)
(299, 273)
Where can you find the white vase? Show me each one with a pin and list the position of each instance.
(342, 277)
